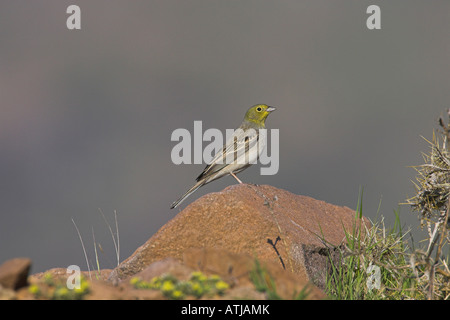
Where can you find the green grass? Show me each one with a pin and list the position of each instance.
(264, 282)
(384, 253)
(115, 239)
(404, 271)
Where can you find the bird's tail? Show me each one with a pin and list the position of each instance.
(187, 194)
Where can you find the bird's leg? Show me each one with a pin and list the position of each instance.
(234, 176)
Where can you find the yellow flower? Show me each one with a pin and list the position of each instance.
(34, 289)
(48, 278)
(167, 286)
(155, 283)
(214, 278)
(221, 286)
(134, 281)
(84, 287)
(198, 276)
(177, 294)
(61, 293)
(197, 289)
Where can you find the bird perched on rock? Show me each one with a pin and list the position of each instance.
(244, 148)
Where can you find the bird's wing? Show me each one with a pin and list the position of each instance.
(236, 147)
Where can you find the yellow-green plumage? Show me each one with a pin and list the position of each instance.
(243, 148)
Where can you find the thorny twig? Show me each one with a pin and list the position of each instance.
(432, 201)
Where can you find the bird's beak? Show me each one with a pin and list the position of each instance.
(270, 109)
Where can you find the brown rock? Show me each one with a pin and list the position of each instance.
(14, 273)
(7, 294)
(101, 290)
(233, 268)
(271, 224)
(236, 268)
(61, 273)
(169, 266)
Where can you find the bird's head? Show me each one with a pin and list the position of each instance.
(258, 114)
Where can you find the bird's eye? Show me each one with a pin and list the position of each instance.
(258, 109)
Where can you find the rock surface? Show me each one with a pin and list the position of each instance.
(227, 234)
(14, 273)
(235, 269)
(270, 224)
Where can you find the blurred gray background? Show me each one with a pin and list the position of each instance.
(86, 116)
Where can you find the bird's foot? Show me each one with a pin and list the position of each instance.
(234, 176)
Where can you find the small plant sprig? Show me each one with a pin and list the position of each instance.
(197, 286)
(265, 283)
(433, 184)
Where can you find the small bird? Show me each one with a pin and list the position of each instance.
(244, 148)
